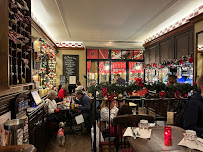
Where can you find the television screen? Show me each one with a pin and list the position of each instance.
(36, 97)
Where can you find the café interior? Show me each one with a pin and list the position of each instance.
(101, 76)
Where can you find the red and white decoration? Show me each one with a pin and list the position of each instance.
(70, 44)
(185, 20)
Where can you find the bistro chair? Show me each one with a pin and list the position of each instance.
(122, 122)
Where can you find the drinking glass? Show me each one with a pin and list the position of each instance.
(143, 125)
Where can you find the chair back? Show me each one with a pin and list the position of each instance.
(124, 121)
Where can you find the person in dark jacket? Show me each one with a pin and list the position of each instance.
(120, 80)
(84, 103)
(193, 111)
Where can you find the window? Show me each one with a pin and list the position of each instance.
(92, 54)
(92, 72)
(104, 72)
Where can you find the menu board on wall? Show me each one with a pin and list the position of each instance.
(71, 66)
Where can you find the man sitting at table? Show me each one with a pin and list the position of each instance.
(84, 103)
(193, 111)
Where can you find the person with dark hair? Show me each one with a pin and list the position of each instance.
(193, 111)
(120, 80)
(172, 79)
(84, 103)
(125, 109)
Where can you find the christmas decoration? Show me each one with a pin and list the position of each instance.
(47, 72)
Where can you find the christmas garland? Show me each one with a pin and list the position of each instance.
(171, 62)
(169, 91)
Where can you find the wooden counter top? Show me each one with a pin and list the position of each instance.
(18, 148)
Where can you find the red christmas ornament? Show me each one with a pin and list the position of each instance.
(186, 95)
(155, 65)
(181, 61)
(191, 59)
(162, 94)
(104, 91)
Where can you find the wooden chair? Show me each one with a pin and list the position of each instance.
(124, 121)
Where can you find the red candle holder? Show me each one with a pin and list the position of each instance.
(168, 142)
(167, 132)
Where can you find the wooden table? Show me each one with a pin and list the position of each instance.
(157, 143)
(18, 148)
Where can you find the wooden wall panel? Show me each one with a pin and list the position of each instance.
(184, 44)
(157, 54)
(146, 56)
(4, 80)
(152, 54)
(166, 50)
(173, 47)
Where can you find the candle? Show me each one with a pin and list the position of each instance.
(168, 142)
(167, 132)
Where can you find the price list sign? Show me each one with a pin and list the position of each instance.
(71, 66)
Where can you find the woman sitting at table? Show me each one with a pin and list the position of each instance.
(53, 111)
(105, 110)
(63, 91)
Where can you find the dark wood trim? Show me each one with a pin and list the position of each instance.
(197, 18)
(69, 48)
(184, 27)
(40, 30)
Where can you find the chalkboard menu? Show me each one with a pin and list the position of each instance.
(71, 66)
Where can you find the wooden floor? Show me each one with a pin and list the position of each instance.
(74, 143)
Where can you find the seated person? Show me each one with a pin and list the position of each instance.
(193, 111)
(125, 109)
(63, 91)
(172, 79)
(53, 111)
(105, 110)
(83, 102)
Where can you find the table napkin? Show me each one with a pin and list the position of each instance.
(142, 133)
(197, 144)
(129, 133)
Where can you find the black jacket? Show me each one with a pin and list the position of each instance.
(193, 114)
(85, 103)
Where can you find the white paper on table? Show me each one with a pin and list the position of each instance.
(191, 144)
(143, 133)
(129, 133)
(79, 119)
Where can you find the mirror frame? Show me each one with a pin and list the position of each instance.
(196, 56)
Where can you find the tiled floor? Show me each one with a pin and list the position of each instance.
(74, 143)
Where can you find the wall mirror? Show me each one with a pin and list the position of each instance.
(199, 53)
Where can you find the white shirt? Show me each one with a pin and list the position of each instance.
(105, 113)
(51, 106)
